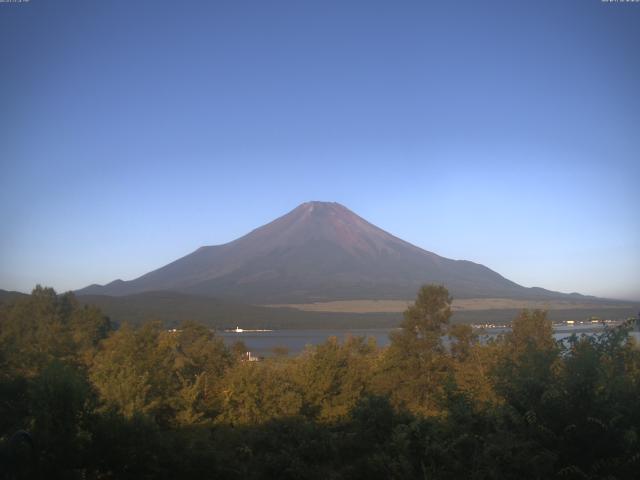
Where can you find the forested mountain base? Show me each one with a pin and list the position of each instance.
(81, 400)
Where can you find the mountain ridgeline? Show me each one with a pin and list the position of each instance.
(319, 251)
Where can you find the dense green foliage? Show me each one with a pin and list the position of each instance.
(79, 399)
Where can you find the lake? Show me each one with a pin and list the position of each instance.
(263, 343)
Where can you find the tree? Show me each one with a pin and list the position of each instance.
(46, 327)
(472, 364)
(88, 326)
(60, 404)
(200, 362)
(132, 371)
(528, 361)
(429, 314)
(333, 376)
(34, 331)
(256, 392)
(415, 363)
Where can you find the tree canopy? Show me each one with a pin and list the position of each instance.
(80, 399)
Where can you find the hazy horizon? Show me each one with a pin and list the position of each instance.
(503, 134)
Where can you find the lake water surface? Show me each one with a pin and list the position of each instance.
(263, 343)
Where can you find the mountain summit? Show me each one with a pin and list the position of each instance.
(319, 251)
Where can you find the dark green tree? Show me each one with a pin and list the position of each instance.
(415, 364)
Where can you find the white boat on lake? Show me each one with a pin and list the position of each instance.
(246, 330)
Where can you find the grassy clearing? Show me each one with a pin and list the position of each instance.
(467, 304)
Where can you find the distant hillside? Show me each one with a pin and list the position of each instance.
(172, 308)
(319, 252)
(9, 296)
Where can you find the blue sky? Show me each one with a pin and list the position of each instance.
(507, 133)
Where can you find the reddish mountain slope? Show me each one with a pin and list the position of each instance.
(318, 251)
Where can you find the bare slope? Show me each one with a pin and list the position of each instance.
(319, 252)
(464, 304)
